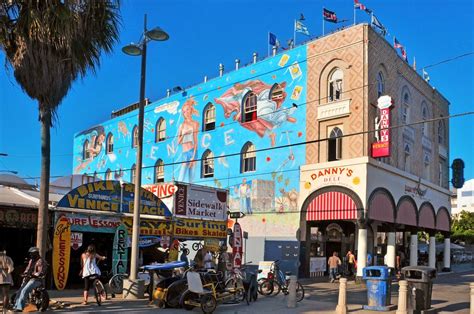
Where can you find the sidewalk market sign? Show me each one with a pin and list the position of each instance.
(112, 196)
(61, 252)
(200, 202)
(120, 251)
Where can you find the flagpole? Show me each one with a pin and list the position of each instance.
(354, 15)
(294, 34)
(323, 21)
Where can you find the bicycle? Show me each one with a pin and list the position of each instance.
(236, 280)
(278, 280)
(197, 246)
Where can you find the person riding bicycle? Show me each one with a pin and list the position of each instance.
(89, 270)
(33, 275)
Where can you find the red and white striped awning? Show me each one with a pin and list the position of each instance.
(331, 206)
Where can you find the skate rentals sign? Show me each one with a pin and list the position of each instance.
(381, 148)
(61, 252)
(120, 251)
(237, 246)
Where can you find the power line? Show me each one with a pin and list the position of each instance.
(449, 60)
(297, 144)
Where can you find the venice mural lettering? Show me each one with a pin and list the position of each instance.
(260, 106)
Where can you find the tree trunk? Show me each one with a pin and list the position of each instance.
(43, 221)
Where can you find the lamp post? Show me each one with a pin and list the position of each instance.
(136, 50)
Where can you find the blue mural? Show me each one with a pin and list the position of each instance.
(261, 107)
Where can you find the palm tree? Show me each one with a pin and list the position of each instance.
(49, 44)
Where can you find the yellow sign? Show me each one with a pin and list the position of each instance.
(212, 244)
(195, 228)
(150, 226)
(61, 252)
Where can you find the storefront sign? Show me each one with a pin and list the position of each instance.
(193, 228)
(111, 196)
(61, 252)
(92, 223)
(237, 247)
(120, 251)
(162, 190)
(199, 202)
(76, 240)
(381, 148)
(150, 226)
(24, 218)
(146, 241)
(317, 264)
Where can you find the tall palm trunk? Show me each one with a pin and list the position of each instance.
(42, 231)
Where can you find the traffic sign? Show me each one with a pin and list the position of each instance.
(236, 215)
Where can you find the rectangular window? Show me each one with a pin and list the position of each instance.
(407, 162)
(249, 163)
(208, 168)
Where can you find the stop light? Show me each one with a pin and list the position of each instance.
(458, 173)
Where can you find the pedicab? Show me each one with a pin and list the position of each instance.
(206, 290)
(169, 286)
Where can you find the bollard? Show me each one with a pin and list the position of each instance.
(341, 303)
(402, 297)
(291, 301)
(472, 297)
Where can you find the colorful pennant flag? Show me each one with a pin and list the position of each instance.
(329, 16)
(273, 40)
(375, 22)
(396, 43)
(301, 28)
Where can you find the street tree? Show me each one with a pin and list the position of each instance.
(49, 44)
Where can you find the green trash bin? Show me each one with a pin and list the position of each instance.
(420, 287)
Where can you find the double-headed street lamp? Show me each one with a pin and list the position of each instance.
(140, 50)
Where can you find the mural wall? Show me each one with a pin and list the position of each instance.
(268, 194)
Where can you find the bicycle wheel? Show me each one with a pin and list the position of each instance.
(208, 303)
(116, 283)
(99, 292)
(196, 246)
(188, 296)
(266, 287)
(42, 300)
(238, 286)
(175, 290)
(299, 292)
(276, 287)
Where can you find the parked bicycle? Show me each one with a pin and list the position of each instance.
(277, 281)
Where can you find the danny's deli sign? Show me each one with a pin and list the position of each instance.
(381, 147)
(200, 202)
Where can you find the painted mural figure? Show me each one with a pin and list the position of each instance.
(244, 192)
(269, 103)
(187, 137)
(96, 147)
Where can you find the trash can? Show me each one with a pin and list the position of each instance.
(420, 286)
(379, 287)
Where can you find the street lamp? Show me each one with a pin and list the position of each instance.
(140, 50)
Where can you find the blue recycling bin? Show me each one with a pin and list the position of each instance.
(379, 286)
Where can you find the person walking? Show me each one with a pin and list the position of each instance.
(334, 261)
(89, 270)
(351, 260)
(6, 268)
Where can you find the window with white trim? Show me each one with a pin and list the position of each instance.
(86, 154)
(207, 169)
(380, 84)
(406, 109)
(209, 117)
(110, 143)
(335, 85)
(441, 133)
(250, 107)
(135, 137)
(335, 144)
(160, 130)
(426, 166)
(424, 115)
(248, 162)
(407, 155)
(159, 171)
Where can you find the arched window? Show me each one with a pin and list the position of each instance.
(380, 84)
(424, 115)
(207, 169)
(426, 166)
(335, 144)
(335, 85)
(441, 133)
(407, 155)
(248, 158)
(133, 173)
(249, 105)
(406, 108)
(209, 117)
(135, 137)
(86, 154)
(159, 171)
(160, 130)
(110, 143)
(108, 175)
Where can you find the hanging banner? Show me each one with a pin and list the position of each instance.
(76, 240)
(61, 252)
(120, 251)
(112, 196)
(237, 247)
(381, 148)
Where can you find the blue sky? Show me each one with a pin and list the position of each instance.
(206, 33)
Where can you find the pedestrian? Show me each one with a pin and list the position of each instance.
(199, 259)
(352, 263)
(208, 260)
(369, 259)
(6, 268)
(89, 269)
(334, 261)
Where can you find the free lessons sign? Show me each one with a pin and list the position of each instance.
(61, 252)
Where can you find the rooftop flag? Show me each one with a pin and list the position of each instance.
(329, 16)
(375, 22)
(396, 43)
(272, 39)
(359, 5)
(301, 28)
